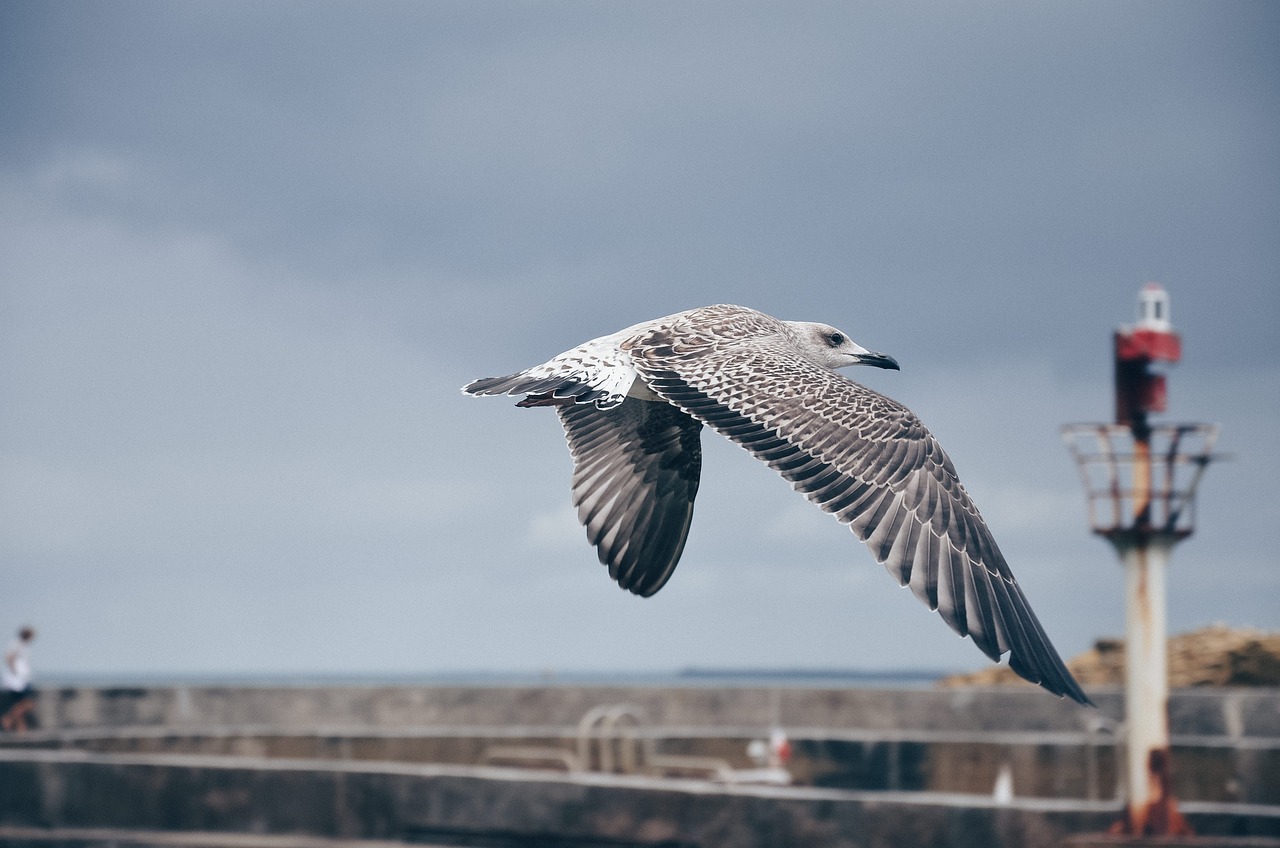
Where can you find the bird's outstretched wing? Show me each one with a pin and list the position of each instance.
(868, 461)
(636, 469)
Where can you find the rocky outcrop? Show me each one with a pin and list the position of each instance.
(1211, 656)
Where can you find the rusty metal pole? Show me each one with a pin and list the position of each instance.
(1144, 552)
(1146, 686)
(1152, 808)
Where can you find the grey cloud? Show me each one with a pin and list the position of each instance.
(250, 251)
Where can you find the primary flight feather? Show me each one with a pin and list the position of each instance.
(633, 404)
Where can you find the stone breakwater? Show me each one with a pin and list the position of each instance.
(410, 763)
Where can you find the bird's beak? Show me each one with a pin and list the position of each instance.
(878, 360)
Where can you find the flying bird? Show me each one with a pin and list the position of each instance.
(633, 405)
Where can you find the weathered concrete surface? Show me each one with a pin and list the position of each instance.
(1056, 765)
(1109, 841)
(399, 706)
(1227, 742)
(1226, 749)
(1196, 712)
(446, 804)
(451, 804)
(100, 837)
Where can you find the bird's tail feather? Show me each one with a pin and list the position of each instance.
(540, 389)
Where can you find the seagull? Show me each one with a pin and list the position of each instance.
(633, 405)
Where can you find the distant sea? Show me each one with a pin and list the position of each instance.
(694, 676)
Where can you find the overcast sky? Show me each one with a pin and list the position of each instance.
(249, 252)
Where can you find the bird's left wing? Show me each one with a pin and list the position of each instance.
(636, 469)
(868, 461)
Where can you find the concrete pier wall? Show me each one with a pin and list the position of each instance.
(400, 763)
(453, 805)
(1064, 766)
(1193, 712)
(500, 807)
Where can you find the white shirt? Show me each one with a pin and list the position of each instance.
(15, 674)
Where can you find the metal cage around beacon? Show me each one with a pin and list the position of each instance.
(1141, 490)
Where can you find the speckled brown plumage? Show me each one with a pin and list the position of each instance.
(632, 403)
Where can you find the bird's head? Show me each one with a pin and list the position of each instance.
(824, 345)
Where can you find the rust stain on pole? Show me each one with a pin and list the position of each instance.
(1162, 815)
(1141, 478)
(1151, 805)
(1159, 816)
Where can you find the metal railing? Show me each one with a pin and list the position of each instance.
(1131, 487)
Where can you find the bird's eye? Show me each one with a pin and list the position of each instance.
(836, 339)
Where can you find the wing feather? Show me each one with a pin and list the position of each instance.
(636, 473)
(868, 461)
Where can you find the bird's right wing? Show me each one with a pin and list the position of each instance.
(636, 469)
(869, 462)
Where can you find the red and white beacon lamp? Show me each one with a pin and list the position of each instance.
(1152, 339)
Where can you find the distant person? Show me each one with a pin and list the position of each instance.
(19, 698)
